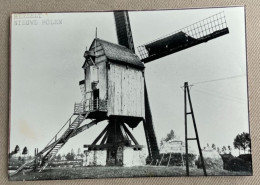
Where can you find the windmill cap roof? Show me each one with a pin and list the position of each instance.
(120, 54)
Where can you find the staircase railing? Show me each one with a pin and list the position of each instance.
(68, 122)
(56, 135)
(98, 104)
(78, 108)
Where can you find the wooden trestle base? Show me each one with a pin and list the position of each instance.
(113, 141)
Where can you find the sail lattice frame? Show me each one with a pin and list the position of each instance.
(198, 31)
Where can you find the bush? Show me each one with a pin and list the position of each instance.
(246, 157)
(226, 158)
(237, 164)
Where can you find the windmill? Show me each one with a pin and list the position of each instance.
(114, 89)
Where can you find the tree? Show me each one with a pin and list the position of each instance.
(242, 142)
(72, 151)
(58, 157)
(17, 149)
(82, 155)
(248, 139)
(229, 149)
(170, 136)
(161, 142)
(70, 156)
(224, 149)
(79, 151)
(25, 151)
(213, 146)
(218, 150)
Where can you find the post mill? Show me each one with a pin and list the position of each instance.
(114, 90)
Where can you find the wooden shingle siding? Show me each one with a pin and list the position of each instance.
(99, 53)
(87, 82)
(125, 91)
(102, 79)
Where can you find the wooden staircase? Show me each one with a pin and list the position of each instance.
(62, 140)
(56, 143)
(52, 153)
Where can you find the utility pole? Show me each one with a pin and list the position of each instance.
(187, 94)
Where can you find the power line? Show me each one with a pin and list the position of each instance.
(219, 79)
(220, 96)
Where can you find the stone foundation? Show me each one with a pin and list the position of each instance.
(95, 158)
(131, 157)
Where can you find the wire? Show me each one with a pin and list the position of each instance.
(221, 93)
(219, 79)
(220, 96)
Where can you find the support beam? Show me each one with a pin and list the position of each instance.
(111, 133)
(85, 127)
(130, 135)
(123, 131)
(100, 135)
(104, 138)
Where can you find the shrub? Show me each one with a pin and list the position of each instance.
(237, 164)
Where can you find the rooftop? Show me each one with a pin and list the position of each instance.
(120, 54)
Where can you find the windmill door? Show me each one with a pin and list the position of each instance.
(96, 99)
(119, 156)
(111, 157)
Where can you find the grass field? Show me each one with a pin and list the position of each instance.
(114, 172)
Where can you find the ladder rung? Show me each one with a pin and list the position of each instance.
(191, 138)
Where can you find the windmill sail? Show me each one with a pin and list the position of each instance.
(123, 30)
(149, 129)
(197, 33)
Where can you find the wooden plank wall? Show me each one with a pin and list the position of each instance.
(126, 91)
(102, 76)
(102, 73)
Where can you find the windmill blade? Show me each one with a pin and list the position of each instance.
(149, 129)
(123, 30)
(197, 33)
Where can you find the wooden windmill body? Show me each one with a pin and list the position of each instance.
(114, 91)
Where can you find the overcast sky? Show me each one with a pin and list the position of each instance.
(46, 63)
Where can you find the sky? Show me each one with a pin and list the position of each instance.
(47, 55)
